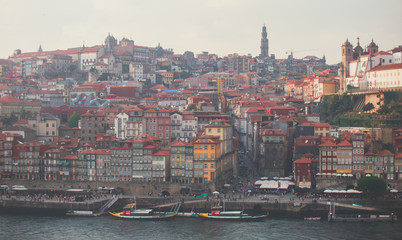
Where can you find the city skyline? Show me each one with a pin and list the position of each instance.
(222, 27)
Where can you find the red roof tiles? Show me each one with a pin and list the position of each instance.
(303, 160)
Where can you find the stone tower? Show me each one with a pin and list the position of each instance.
(372, 48)
(358, 50)
(347, 57)
(264, 42)
(110, 42)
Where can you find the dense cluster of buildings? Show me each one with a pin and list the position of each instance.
(209, 157)
(123, 112)
(355, 153)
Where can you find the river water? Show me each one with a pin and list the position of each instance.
(32, 227)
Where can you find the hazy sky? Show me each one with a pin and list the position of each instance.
(308, 27)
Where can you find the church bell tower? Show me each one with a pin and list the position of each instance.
(264, 42)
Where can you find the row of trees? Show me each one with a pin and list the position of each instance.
(372, 186)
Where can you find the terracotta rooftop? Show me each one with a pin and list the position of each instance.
(303, 160)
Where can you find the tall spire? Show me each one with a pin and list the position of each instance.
(40, 48)
(264, 42)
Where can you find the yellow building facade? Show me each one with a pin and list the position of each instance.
(206, 152)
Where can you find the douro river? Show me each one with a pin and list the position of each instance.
(20, 226)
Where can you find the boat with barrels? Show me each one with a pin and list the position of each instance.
(131, 212)
(217, 213)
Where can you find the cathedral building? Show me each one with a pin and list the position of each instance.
(369, 68)
(355, 62)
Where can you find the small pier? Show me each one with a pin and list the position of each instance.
(102, 210)
(333, 217)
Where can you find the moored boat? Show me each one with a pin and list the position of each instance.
(217, 214)
(130, 212)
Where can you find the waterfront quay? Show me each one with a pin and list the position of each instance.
(276, 205)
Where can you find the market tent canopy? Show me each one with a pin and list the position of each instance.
(349, 191)
(259, 182)
(275, 184)
(74, 190)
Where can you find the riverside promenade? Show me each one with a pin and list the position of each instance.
(276, 205)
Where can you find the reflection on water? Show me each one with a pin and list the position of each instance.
(106, 227)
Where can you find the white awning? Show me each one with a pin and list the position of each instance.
(74, 190)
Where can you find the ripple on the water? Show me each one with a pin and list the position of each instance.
(107, 227)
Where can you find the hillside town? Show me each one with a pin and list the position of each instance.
(120, 112)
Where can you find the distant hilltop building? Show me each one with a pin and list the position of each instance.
(369, 68)
(264, 43)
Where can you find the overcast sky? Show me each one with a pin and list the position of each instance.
(308, 27)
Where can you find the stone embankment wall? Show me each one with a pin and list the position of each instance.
(342, 183)
(332, 182)
(129, 188)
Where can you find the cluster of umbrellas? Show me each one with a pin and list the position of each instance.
(274, 184)
(336, 174)
(342, 191)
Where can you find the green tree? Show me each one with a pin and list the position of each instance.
(8, 121)
(72, 67)
(73, 120)
(372, 186)
(104, 77)
(368, 107)
(191, 108)
(26, 114)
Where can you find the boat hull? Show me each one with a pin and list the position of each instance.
(233, 218)
(149, 217)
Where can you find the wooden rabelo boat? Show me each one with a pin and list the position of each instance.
(131, 212)
(218, 214)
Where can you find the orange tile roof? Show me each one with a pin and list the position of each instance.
(303, 160)
(162, 153)
(5, 88)
(387, 67)
(345, 144)
(9, 99)
(385, 152)
(328, 144)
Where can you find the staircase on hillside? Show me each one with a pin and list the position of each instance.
(360, 102)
